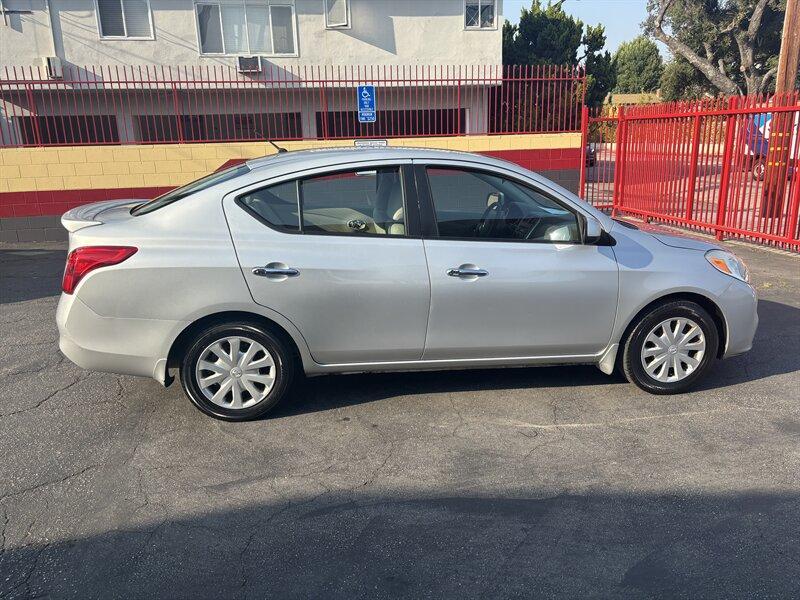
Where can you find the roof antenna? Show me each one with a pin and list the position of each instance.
(278, 148)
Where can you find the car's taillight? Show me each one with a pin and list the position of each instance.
(82, 260)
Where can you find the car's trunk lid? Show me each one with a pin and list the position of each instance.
(98, 213)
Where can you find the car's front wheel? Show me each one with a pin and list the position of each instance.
(236, 371)
(670, 348)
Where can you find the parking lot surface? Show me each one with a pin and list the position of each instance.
(502, 483)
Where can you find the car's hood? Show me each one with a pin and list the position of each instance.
(98, 213)
(675, 240)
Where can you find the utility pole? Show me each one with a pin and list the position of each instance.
(790, 49)
(782, 127)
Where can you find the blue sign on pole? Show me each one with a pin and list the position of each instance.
(366, 104)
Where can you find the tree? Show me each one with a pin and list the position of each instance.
(681, 81)
(639, 66)
(546, 35)
(733, 43)
(600, 72)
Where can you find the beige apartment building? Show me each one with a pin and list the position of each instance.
(109, 71)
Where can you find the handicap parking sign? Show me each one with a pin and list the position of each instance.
(366, 104)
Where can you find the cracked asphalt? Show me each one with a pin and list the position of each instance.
(549, 482)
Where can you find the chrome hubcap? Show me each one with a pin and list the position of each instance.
(235, 372)
(673, 350)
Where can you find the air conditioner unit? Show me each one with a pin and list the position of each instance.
(248, 64)
(53, 66)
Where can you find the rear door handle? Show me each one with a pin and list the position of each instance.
(270, 271)
(467, 272)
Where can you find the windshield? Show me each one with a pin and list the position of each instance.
(190, 188)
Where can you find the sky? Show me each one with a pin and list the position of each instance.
(622, 18)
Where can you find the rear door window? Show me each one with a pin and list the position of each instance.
(352, 202)
(277, 205)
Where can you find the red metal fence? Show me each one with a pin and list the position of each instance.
(114, 105)
(728, 166)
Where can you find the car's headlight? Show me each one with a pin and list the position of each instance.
(728, 263)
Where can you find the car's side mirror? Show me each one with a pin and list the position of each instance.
(593, 231)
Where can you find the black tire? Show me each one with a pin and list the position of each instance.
(758, 169)
(285, 366)
(632, 350)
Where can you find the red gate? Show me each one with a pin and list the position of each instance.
(726, 166)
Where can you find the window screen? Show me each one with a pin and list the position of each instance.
(246, 28)
(336, 13)
(479, 14)
(124, 18)
(210, 28)
(137, 18)
(282, 29)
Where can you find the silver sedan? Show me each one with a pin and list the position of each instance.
(355, 260)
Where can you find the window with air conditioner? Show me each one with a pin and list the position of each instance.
(124, 19)
(480, 14)
(337, 14)
(245, 28)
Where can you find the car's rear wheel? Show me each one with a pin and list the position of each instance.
(236, 371)
(670, 348)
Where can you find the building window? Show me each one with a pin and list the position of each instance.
(337, 13)
(245, 28)
(479, 14)
(392, 123)
(68, 129)
(218, 127)
(124, 19)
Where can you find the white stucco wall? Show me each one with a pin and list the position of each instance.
(383, 32)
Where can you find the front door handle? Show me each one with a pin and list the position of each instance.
(276, 270)
(467, 271)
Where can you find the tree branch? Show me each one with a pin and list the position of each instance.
(765, 79)
(709, 52)
(717, 78)
(755, 19)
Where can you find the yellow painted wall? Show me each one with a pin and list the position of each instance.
(162, 165)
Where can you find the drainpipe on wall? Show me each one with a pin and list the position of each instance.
(52, 27)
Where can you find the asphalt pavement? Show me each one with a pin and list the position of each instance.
(516, 483)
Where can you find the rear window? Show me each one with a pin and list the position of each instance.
(190, 188)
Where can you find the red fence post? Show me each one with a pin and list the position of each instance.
(792, 229)
(727, 152)
(619, 160)
(176, 106)
(37, 135)
(693, 168)
(458, 109)
(323, 100)
(582, 155)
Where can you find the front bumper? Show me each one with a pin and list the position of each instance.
(739, 306)
(115, 345)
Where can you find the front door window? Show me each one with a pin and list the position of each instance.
(482, 206)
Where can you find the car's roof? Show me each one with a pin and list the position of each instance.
(349, 153)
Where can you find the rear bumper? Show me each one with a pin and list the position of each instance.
(114, 345)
